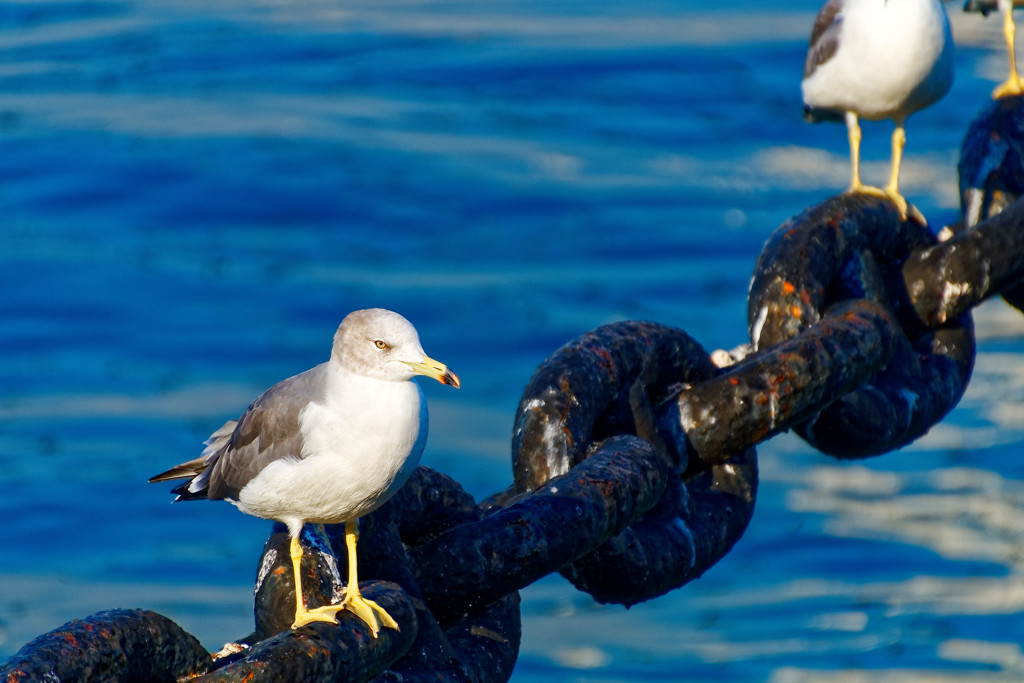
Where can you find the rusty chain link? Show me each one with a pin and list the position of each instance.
(633, 453)
(853, 247)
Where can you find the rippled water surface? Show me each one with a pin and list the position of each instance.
(193, 194)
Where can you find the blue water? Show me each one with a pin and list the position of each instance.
(193, 194)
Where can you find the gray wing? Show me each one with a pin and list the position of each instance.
(824, 36)
(268, 430)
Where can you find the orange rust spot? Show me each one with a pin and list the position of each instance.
(795, 311)
(733, 381)
(787, 287)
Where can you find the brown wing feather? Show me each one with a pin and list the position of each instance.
(824, 36)
(268, 430)
(185, 470)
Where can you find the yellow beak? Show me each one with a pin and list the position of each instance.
(436, 370)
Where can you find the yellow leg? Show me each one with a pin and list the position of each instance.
(1013, 84)
(853, 133)
(303, 615)
(300, 603)
(367, 610)
(892, 190)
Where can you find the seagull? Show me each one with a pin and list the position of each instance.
(1013, 85)
(326, 446)
(877, 59)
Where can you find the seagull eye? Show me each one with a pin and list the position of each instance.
(380, 344)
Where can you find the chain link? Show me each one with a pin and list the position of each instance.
(853, 247)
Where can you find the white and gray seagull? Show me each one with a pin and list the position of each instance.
(326, 446)
(877, 59)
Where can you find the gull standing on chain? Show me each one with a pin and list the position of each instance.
(1013, 85)
(326, 446)
(877, 59)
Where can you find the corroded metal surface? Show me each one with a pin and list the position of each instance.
(456, 640)
(618, 379)
(948, 279)
(831, 252)
(991, 171)
(581, 393)
(327, 652)
(119, 645)
(783, 385)
(538, 532)
(696, 523)
(854, 247)
(991, 167)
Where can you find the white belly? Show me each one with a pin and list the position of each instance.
(356, 456)
(894, 58)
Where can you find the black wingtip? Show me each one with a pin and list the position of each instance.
(185, 494)
(975, 6)
(817, 115)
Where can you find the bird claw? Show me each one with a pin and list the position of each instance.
(906, 209)
(372, 614)
(902, 206)
(900, 202)
(327, 613)
(868, 190)
(1011, 87)
(915, 215)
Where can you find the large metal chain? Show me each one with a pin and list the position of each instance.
(633, 453)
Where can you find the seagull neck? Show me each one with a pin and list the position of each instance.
(337, 372)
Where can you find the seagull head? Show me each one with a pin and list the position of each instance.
(382, 344)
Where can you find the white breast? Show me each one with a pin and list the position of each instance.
(359, 446)
(895, 57)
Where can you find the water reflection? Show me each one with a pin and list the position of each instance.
(192, 195)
